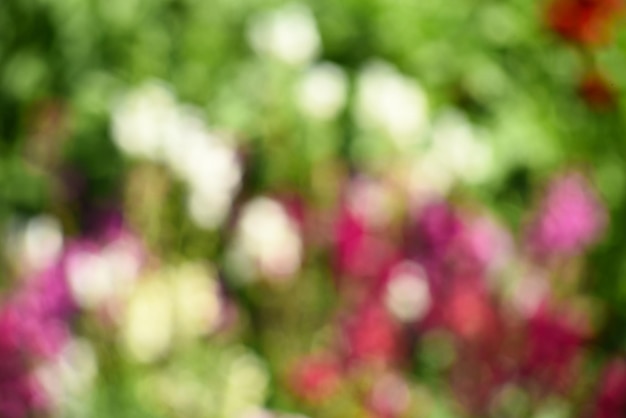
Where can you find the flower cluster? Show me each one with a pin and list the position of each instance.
(434, 283)
(350, 233)
(588, 24)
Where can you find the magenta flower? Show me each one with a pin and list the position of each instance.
(570, 219)
(361, 253)
(554, 347)
(40, 311)
(436, 228)
(611, 400)
(430, 241)
(20, 396)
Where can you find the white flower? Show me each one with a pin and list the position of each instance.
(246, 385)
(213, 173)
(39, 242)
(391, 102)
(177, 304)
(455, 155)
(196, 300)
(430, 177)
(408, 296)
(90, 279)
(288, 34)
(99, 276)
(185, 130)
(268, 239)
(142, 119)
(322, 91)
(148, 327)
(455, 145)
(149, 123)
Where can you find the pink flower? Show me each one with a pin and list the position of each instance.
(571, 218)
(389, 398)
(362, 254)
(315, 378)
(371, 336)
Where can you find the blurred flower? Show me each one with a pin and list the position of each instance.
(371, 200)
(150, 123)
(322, 91)
(571, 217)
(267, 241)
(530, 292)
(454, 139)
(246, 385)
(174, 305)
(148, 326)
(392, 103)
(315, 378)
(597, 90)
(407, 295)
(432, 237)
(197, 300)
(70, 376)
(363, 251)
(35, 244)
(429, 178)
(370, 336)
(455, 155)
(42, 309)
(390, 397)
(587, 22)
(288, 34)
(487, 245)
(141, 118)
(103, 272)
(20, 394)
(469, 314)
(213, 174)
(98, 276)
(434, 230)
(554, 347)
(611, 398)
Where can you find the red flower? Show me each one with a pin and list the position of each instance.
(315, 378)
(585, 22)
(597, 91)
